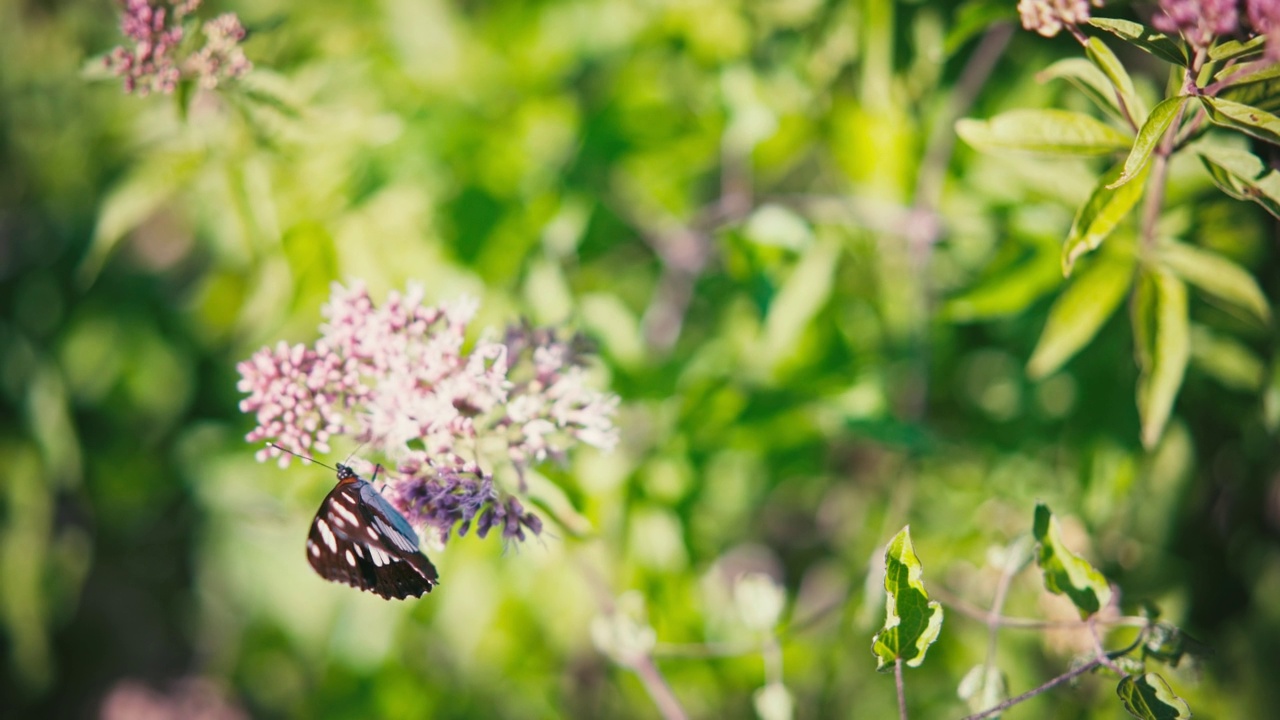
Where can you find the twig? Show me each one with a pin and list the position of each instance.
(1032, 693)
(902, 689)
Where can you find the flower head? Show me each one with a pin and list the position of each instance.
(1199, 22)
(156, 61)
(1048, 17)
(400, 378)
(1264, 18)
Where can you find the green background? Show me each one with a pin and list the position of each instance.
(720, 194)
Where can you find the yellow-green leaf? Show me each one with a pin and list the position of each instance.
(912, 620)
(1149, 697)
(1162, 335)
(1158, 122)
(1216, 275)
(1101, 213)
(1058, 132)
(1080, 312)
(1066, 573)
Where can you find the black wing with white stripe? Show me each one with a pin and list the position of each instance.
(359, 539)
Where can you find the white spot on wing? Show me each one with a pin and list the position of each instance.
(313, 549)
(327, 534)
(372, 533)
(359, 552)
(344, 513)
(351, 559)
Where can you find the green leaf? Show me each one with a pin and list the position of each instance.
(1007, 293)
(1260, 88)
(1100, 214)
(1080, 312)
(912, 621)
(1242, 175)
(1271, 400)
(1101, 55)
(1149, 697)
(1060, 132)
(1233, 49)
(1066, 573)
(1217, 276)
(1247, 119)
(1158, 122)
(1162, 337)
(1143, 37)
(1088, 79)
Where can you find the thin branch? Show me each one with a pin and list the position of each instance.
(902, 689)
(973, 612)
(996, 710)
(656, 685)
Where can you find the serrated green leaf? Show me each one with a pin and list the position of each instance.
(1058, 132)
(1216, 275)
(1107, 61)
(983, 687)
(1088, 79)
(1149, 697)
(1247, 119)
(1158, 122)
(1233, 49)
(1162, 337)
(1066, 573)
(1080, 311)
(912, 620)
(1260, 88)
(137, 197)
(1008, 293)
(1100, 214)
(1143, 37)
(1242, 175)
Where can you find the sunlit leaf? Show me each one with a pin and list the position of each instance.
(1105, 209)
(1158, 122)
(1242, 175)
(1080, 312)
(1059, 132)
(1217, 276)
(1162, 337)
(1107, 61)
(1233, 49)
(1149, 697)
(1260, 88)
(1066, 573)
(912, 620)
(1088, 78)
(1245, 118)
(1143, 37)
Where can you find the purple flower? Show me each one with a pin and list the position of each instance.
(155, 63)
(1199, 22)
(401, 379)
(1264, 18)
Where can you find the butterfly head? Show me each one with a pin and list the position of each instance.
(346, 474)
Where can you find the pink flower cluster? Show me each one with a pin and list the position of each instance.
(399, 377)
(1049, 17)
(155, 62)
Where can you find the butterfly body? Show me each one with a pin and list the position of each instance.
(358, 538)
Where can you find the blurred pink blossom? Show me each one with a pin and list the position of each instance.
(400, 378)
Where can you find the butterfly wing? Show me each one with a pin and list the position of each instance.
(364, 545)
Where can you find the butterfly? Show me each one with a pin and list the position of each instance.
(358, 538)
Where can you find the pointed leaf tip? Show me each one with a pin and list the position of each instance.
(912, 620)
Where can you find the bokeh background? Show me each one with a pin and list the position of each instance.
(759, 213)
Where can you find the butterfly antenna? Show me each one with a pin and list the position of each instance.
(300, 455)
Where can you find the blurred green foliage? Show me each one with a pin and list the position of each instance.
(756, 209)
